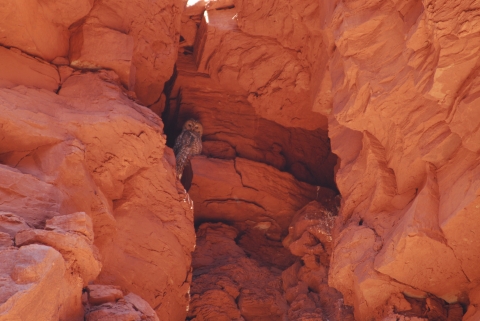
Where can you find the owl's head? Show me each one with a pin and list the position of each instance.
(193, 126)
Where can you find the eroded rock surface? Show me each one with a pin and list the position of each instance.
(227, 285)
(245, 191)
(72, 153)
(408, 175)
(28, 274)
(232, 128)
(86, 188)
(138, 40)
(237, 275)
(106, 302)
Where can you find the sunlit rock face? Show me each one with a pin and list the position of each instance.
(339, 178)
(84, 176)
(404, 83)
(136, 39)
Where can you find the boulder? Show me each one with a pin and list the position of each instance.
(27, 293)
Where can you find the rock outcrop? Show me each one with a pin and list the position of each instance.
(90, 149)
(299, 100)
(104, 302)
(403, 76)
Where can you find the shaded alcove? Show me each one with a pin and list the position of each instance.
(233, 129)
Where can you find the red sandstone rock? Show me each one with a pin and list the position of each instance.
(92, 142)
(151, 27)
(223, 275)
(79, 223)
(12, 224)
(243, 190)
(93, 47)
(416, 241)
(269, 72)
(397, 81)
(271, 76)
(79, 255)
(473, 312)
(40, 28)
(310, 231)
(232, 128)
(403, 93)
(305, 284)
(26, 196)
(107, 302)
(458, 209)
(99, 294)
(264, 250)
(196, 7)
(352, 273)
(6, 240)
(17, 68)
(122, 310)
(36, 285)
(142, 306)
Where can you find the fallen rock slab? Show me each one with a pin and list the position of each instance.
(37, 286)
(245, 191)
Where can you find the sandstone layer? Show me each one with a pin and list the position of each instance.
(300, 100)
(90, 149)
(404, 79)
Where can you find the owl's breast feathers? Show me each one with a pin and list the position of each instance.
(188, 139)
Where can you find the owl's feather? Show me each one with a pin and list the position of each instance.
(187, 144)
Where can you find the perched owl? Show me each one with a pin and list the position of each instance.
(187, 144)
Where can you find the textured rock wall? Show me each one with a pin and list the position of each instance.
(91, 149)
(404, 125)
(87, 195)
(88, 192)
(397, 83)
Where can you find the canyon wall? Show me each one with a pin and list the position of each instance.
(405, 127)
(340, 171)
(93, 223)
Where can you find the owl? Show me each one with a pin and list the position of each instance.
(187, 144)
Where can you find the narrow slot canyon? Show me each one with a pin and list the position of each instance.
(338, 179)
(263, 194)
